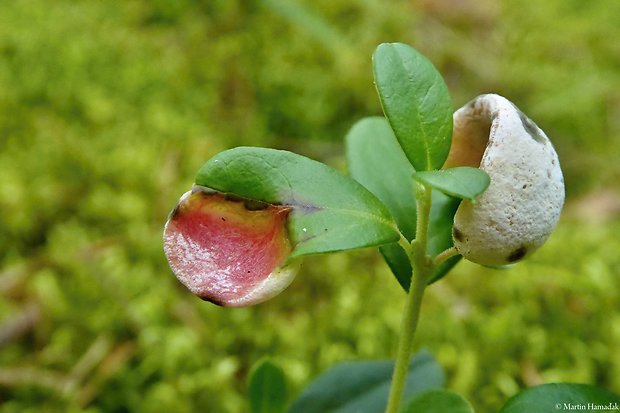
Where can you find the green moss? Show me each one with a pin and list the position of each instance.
(108, 110)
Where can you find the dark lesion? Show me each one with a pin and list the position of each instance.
(517, 254)
(254, 205)
(530, 127)
(249, 204)
(457, 234)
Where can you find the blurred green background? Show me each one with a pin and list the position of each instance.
(108, 108)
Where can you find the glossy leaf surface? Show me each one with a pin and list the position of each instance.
(562, 397)
(330, 211)
(461, 182)
(352, 387)
(267, 389)
(377, 161)
(438, 401)
(416, 102)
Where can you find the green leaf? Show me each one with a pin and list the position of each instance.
(398, 261)
(330, 211)
(377, 161)
(555, 397)
(352, 387)
(462, 182)
(267, 389)
(439, 239)
(416, 102)
(438, 401)
(440, 231)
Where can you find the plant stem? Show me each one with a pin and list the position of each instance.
(423, 201)
(445, 256)
(408, 327)
(422, 268)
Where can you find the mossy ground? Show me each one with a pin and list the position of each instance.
(107, 109)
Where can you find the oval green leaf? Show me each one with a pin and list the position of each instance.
(330, 211)
(353, 387)
(267, 388)
(377, 161)
(556, 397)
(416, 102)
(438, 401)
(440, 239)
(398, 261)
(462, 182)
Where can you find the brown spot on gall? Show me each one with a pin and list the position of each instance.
(517, 254)
(253, 205)
(457, 234)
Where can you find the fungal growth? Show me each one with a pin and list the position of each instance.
(228, 250)
(522, 205)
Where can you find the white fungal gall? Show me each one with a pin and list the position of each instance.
(522, 205)
(229, 251)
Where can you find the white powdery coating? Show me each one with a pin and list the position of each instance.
(279, 279)
(522, 205)
(196, 268)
